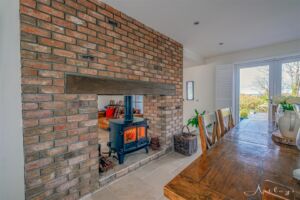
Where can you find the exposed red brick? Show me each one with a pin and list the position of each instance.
(56, 182)
(88, 136)
(35, 47)
(51, 74)
(87, 4)
(85, 44)
(31, 139)
(29, 106)
(77, 62)
(79, 145)
(52, 89)
(76, 34)
(57, 151)
(77, 118)
(63, 23)
(75, 5)
(64, 8)
(65, 141)
(34, 13)
(52, 105)
(59, 82)
(53, 43)
(64, 68)
(86, 17)
(37, 114)
(65, 97)
(49, 10)
(29, 123)
(64, 53)
(87, 31)
(87, 71)
(38, 147)
(88, 123)
(51, 27)
(38, 164)
(96, 15)
(78, 159)
(29, 3)
(36, 97)
(105, 12)
(77, 49)
(52, 120)
(36, 64)
(88, 97)
(68, 185)
(36, 81)
(63, 127)
(64, 38)
(34, 30)
(75, 20)
(26, 71)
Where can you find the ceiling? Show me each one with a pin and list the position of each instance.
(239, 24)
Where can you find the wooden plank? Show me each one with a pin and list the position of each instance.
(112, 86)
(239, 162)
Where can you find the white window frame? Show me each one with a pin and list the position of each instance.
(275, 72)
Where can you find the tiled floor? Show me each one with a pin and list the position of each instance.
(147, 182)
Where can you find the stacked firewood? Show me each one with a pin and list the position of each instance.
(104, 163)
(154, 143)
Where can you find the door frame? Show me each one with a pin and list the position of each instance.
(275, 79)
(237, 69)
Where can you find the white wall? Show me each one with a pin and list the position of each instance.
(11, 137)
(204, 75)
(203, 90)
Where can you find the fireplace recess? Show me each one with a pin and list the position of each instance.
(128, 134)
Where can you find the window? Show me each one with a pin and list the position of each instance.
(290, 84)
(138, 102)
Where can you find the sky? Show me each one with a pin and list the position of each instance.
(249, 77)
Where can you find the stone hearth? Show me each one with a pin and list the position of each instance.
(61, 37)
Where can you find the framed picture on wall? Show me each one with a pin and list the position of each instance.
(190, 90)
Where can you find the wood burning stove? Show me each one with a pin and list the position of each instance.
(128, 134)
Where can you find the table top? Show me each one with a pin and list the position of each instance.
(242, 159)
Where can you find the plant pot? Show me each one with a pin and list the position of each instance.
(289, 124)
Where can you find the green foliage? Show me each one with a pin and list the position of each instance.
(286, 106)
(193, 121)
(244, 113)
(255, 103)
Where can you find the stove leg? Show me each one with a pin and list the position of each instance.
(121, 158)
(146, 148)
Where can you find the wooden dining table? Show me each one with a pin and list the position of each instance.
(239, 162)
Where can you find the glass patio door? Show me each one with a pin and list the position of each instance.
(254, 91)
(290, 77)
(258, 83)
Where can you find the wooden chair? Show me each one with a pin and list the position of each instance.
(209, 130)
(225, 120)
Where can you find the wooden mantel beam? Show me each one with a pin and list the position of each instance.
(113, 86)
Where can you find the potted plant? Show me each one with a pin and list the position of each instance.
(286, 117)
(193, 121)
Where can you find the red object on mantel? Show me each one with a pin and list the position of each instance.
(110, 112)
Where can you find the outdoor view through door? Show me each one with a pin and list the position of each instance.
(254, 92)
(290, 75)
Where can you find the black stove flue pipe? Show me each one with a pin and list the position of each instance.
(128, 109)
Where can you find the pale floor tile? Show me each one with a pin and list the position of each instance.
(147, 182)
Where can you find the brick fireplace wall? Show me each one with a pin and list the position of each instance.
(60, 130)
